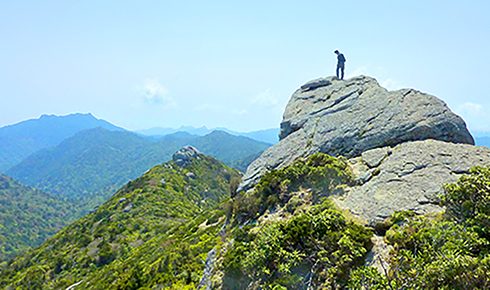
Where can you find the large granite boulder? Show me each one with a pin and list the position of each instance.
(409, 176)
(350, 117)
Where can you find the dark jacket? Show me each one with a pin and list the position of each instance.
(341, 59)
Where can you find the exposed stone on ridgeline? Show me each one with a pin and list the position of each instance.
(184, 156)
(205, 282)
(408, 176)
(379, 255)
(350, 117)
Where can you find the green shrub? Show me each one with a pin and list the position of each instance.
(283, 253)
(320, 173)
(468, 200)
(397, 217)
(442, 252)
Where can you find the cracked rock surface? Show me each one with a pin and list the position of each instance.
(353, 116)
(408, 176)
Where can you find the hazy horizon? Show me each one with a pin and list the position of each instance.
(234, 65)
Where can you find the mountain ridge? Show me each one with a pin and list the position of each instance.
(20, 140)
(265, 135)
(96, 159)
(135, 219)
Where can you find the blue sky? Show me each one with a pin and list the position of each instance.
(234, 64)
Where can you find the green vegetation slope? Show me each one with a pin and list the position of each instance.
(150, 221)
(94, 162)
(29, 216)
(168, 230)
(87, 162)
(448, 251)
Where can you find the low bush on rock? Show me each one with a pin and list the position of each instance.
(321, 173)
(449, 251)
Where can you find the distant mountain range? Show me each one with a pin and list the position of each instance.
(22, 139)
(95, 161)
(268, 135)
(482, 141)
(481, 138)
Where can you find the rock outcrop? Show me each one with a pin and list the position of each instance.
(347, 118)
(402, 145)
(184, 156)
(408, 176)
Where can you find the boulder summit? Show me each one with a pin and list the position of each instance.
(402, 145)
(346, 118)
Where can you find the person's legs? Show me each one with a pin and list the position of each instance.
(341, 72)
(338, 68)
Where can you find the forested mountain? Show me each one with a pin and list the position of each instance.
(143, 220)
(85, 163)
(22, 139)
(28, 216)
(96, 161)
(228, 148)
(164, 231)
(86, 169)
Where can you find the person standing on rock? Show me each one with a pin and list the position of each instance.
(340, 64)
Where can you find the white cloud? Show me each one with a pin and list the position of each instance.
(390, 84)
(156, 94)
(361, 70)
(475, 116)
(387, 83)
(265, 99)
(470, 109)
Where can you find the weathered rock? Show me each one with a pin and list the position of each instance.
(379, 255)
(409, 177)
(184, 156)
(374, 157)
(128, 208)
(190, 175)
(205, 282)
(349, 117)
